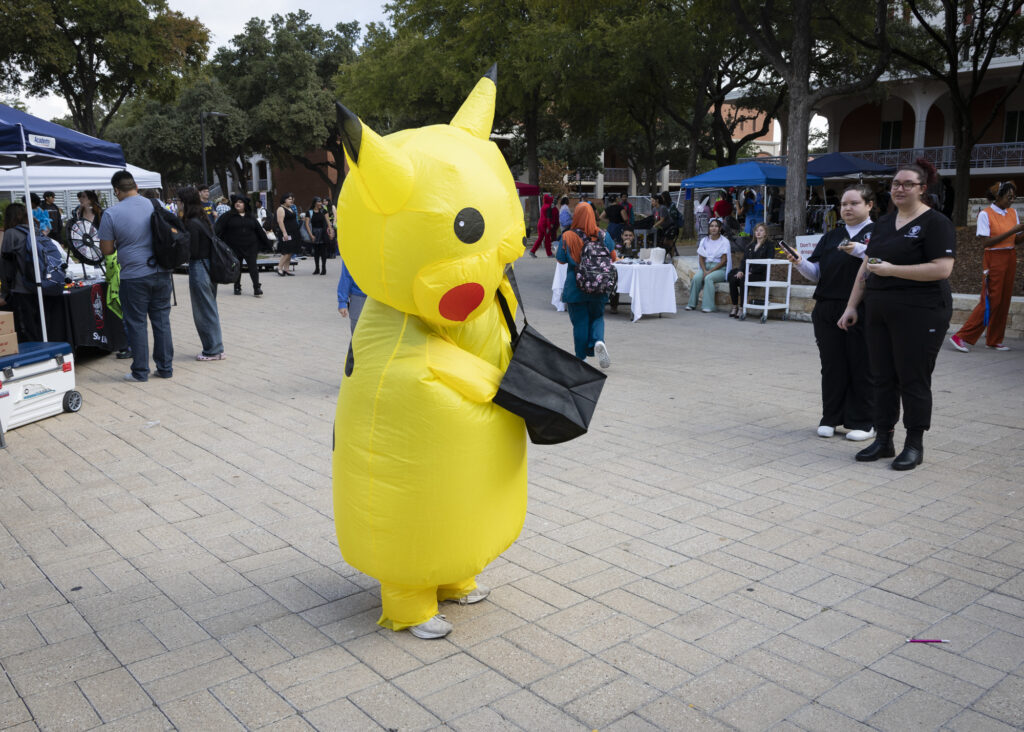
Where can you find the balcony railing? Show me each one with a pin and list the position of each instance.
(989, 155)
(616, 175)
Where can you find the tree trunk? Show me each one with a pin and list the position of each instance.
(689, 218)
(532, 162)
(796, 165)
(962, 181)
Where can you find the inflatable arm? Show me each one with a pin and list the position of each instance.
(469, 375)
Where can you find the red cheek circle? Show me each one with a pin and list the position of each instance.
(459, 302)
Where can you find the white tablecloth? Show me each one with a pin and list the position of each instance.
(651, 287)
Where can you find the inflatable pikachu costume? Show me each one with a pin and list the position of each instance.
(429, 474)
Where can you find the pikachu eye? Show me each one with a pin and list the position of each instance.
(469, 225)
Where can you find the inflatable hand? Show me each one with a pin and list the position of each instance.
(429, 475)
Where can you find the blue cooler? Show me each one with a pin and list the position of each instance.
(36, 382)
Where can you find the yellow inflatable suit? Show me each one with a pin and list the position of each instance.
(429, 474)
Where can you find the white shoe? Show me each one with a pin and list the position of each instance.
(478, 594)
(860, 435)
(689, 307)
(601, 351)
(436, 627)
(999, 347)
(704, 310)
(826, 431)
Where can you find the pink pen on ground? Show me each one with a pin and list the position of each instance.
(926, 640)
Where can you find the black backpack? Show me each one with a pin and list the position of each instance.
(172, 244)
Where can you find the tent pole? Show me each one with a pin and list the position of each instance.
(35, 249)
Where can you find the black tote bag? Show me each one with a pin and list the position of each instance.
(224, 264)
(553, 391)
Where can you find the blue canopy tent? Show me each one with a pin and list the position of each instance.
(839, 165)
(750, 173)
(26, 140)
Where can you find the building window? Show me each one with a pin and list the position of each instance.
(891, 135)
(1014, 131)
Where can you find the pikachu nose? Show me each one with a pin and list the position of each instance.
(460, 301)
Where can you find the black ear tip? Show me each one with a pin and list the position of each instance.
(351, 130)
(492, 73)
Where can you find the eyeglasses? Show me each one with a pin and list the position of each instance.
(907, 185)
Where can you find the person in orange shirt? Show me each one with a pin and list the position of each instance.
(999, 229)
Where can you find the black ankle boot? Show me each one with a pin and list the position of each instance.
(913, 451)
(238, 289)
(880, 448)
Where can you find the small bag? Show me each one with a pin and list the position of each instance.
(224, 265)
(553, 391)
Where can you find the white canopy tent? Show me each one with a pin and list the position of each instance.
(73, 177)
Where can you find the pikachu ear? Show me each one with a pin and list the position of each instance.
(476, 115)
(385, 171)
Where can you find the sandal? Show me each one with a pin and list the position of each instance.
(215, 357)
(734, 312)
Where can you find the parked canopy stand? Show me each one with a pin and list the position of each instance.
(26, 140)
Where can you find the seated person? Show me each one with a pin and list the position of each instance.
(713, 255)
(755, 247)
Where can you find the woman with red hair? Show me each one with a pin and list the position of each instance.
(586, 310)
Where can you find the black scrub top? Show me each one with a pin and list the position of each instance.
(837, 270)
(929, 237)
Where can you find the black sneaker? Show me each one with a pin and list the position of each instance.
(238, 289)
(258, 292)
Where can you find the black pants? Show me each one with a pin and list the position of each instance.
(26, 317)
(903, 341)
(250, 255)
(846, 392)
(321, 247)
(735, 284)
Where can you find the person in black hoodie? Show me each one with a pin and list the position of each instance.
(243, 233)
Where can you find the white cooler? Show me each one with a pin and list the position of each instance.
(36, 382)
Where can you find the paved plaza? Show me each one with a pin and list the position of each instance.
(700, 561)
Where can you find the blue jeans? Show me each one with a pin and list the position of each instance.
(148, 296)
(203, 293)
(587, 326)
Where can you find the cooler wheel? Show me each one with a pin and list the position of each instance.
(72, 401)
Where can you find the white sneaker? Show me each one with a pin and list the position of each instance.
(478, 594)
(860, 435)
(826, 431)
(436, 627)
(601, 351)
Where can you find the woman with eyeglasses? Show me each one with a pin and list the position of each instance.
(908, 304)
(998, 232)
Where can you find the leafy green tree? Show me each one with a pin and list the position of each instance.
(955, 43)
(819, 49)
(97, 54)
(166, 137)
(281, 74)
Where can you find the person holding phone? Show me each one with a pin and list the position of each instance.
(845, 386)
(908, 304)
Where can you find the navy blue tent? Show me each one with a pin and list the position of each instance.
(26, 140)
(41, 142)
(837, 165)
(750, 173)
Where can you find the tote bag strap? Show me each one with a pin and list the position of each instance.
(506, 311)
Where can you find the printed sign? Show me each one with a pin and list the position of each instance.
(47, 143)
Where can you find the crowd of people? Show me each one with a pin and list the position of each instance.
(123, 231)
(883, 303)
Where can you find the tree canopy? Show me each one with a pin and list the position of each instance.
(97, 54)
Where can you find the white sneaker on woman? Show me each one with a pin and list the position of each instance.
(826, 431)
(860, 435)
(601, 351)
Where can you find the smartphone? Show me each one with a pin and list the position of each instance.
(874, 260)
(788, 249)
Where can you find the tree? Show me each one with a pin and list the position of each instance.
(97, 54)
(166, 137)
(954, 43)
(282, 74)
(819, 50)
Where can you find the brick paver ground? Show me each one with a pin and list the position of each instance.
(700, 561)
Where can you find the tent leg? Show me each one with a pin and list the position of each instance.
(35, 248)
